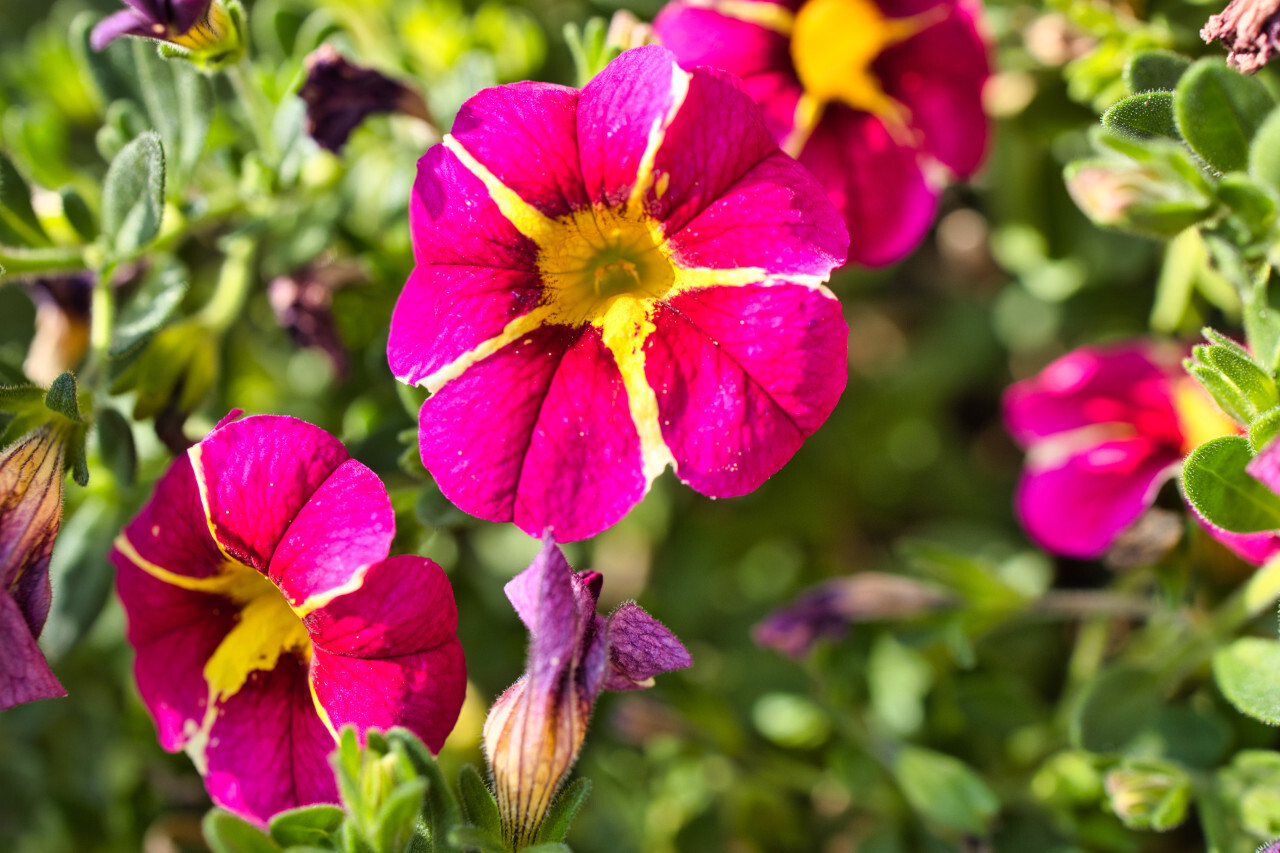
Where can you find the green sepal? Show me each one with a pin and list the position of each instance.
(1143, 116)
(1248, 674)
(559, 817)
(313, 826)
(396, 821)
(478, 806)
(133, 195)
(115, 443)
(63, 398)
(227, 833)
(1217, 485)
(1264, 428)
(1229, 398)
(19, 225)
(471, 838)
(1218, 111)
(1155, 71)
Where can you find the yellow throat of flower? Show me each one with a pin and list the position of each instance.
(1199, 417)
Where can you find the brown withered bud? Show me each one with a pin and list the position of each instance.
(339, 95)
(62, 325)
(827, 610)
(303, 305)
(1249, 30)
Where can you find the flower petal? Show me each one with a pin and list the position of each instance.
(24, 674)
(345, 525)
(454, 220)
(743, 375)
(422, 691)
(403, 605)
(938, 74)
(539, 433)
(255, 475)
(1095, 385)
(877, 184)
(1077, 505)
(622, 113)
(174, 632)
(126, 22)
(640, 647)
(268, 749)
(171, 530)
(1253, 548)
(526, 135)
(775, 217)
(446, 311)
(701, 36)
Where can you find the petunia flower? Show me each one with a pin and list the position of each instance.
(340, 94)
(31, 474)
(535, 729)
(199, 26)
(1104, 428)
(266, 614)
(610, 281)
(879, 98)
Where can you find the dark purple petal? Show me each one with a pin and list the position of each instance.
(640, 647)
(24, 673)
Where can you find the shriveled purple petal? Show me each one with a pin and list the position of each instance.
(24, 674)
(543, 596)
(640, 647)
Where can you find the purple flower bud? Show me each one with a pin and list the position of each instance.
(31, 472)
(340, 94)
(1249, 29)
(534, 731)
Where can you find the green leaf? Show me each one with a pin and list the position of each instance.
(1218, 111)
(115, 443)
(1216, 484)
(1264, 153)
(559, 817)
(1264, 428)
(195, 114)
(19, 225)
(1248, 674)
(397, 818)
(1114, 708)
(62, 398)
(227, 833)
(1143, 116)
(472, 838)
(133, 194)
(150, 308)
(77, 212)
(478, 805)
(1241, 370)
(310, 825)
(439, 809)
(945, 790)
(154, 79)
(1155, 71)
(1251, 206)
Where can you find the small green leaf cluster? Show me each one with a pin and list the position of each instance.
(394, 800)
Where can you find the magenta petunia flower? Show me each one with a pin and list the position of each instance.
(266, 614)
(879, 98)
(1104, 428)
(535, 729)
(609, 281)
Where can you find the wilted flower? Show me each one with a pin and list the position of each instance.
(31, 474)
(303, 305)
(876, 97)
(198, 26)
(1249, 29)
(340, 94)
(62, 325)
(266, 614)
(827, 610)
(1104, 428)
(535, 729)
(609, 281)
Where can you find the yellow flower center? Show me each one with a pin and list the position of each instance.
(1199, 417)
(596, 258)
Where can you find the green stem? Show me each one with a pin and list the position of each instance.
(16, 260)
(256, 106)
(102, 324)
(227, 301)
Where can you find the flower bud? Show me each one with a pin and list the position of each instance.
(1137, 198)
(1148, 794)
(203, 31)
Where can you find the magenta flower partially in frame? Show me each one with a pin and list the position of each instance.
(879, 98)
(1104, 428)
(610, 281)
(266, 614)
(535, 729)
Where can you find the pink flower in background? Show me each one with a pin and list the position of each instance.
(878, 98)
(1104, 428)
(266, 614)
(610, 281)
(535, 729)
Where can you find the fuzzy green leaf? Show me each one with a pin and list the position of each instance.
(308, 825)
(227, 833)
(559, 817)
(133, 194)
(945, 790)
(115, 443)
(1218, 111)
(62, 398)
(1155, 71)
(478, 805)
(1217, 485)
(1248, 674)
(1143, 116)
